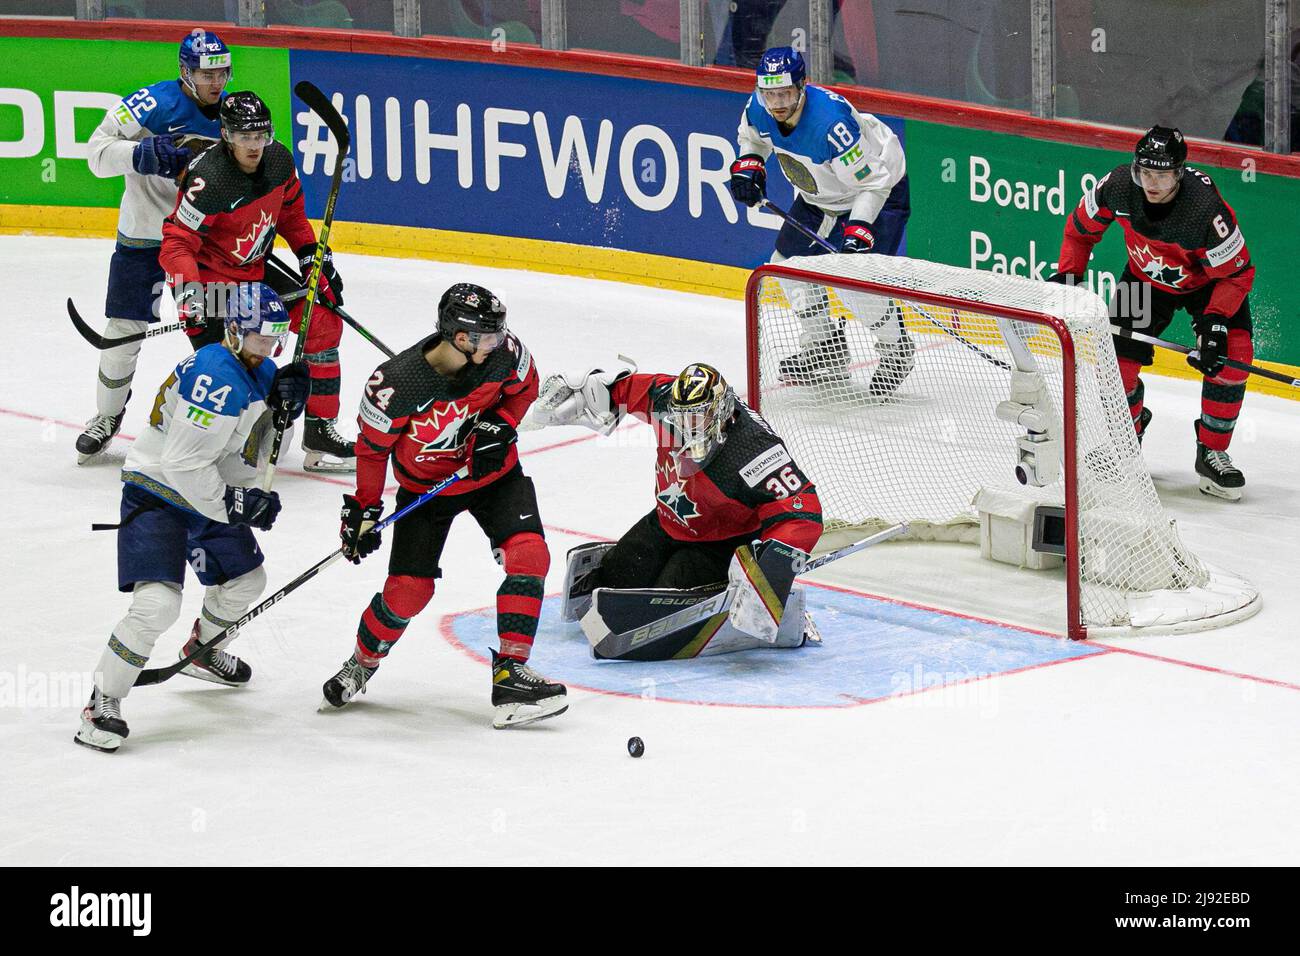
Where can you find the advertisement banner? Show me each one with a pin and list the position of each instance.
(538, 154)
(53, 93)
(998, 202)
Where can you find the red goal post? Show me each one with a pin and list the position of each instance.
(1009, 377)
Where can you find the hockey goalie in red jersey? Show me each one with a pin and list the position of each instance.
(448, 403)
(1185, 251)
(732, 509)
(233, 201)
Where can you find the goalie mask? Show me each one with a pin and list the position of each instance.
(700, 407)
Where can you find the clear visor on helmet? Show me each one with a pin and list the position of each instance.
(780, 98)
(1157, 180)
(266, 341)
(491, 341)
(248, 139)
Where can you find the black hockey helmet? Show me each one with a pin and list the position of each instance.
(244, 112)
(474, 310)
(700, 406)
(1161, 148)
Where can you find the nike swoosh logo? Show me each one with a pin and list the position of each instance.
(172, 129)
(1124, 214)
(237, 202)
(522, 517)
(425, 405)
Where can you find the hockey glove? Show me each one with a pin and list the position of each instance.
(490, 439)
(159, 156)
(749, 180)
(289, 391)
(355, 531)
(857, 238)
(331, 286)
(252, 506)
(190, 309)
(1212, 344)
(1065, 278)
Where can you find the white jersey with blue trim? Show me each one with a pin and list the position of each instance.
(836, 158)
(195, 445)
(162, 109)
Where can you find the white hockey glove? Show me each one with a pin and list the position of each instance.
(583, 400)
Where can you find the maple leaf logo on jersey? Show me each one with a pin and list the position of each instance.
(673, 495)
(252, 245)
(1154, 266)
(440, 432)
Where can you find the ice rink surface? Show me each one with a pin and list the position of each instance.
(943, 720)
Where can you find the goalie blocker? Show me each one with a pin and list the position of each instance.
(759, 607)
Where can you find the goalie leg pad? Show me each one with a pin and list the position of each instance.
(580, 578)
(761, 584)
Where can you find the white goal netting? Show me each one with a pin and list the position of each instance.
(905, 401)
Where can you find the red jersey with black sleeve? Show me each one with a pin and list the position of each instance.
(1180, 246)
(750, 486)
(421, 419)
(225, 220)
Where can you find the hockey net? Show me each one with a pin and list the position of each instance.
(1008, 375)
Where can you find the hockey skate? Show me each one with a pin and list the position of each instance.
(346, 684)
(218, 666)
(99, 432)
(896, 363)
(522, 696)
(1143, 420)
(102, 726)
(326, 451)
(1220, 478)
(821, 362)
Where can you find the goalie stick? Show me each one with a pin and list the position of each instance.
(1230, 363)
(928, 317)
(323, 108)
(156, 675)
(617, 645)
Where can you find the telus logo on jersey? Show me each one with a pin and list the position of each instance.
(77, 909)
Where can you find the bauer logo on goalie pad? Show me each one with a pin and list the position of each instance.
(760, 467)
(190, 216)
(375, 417)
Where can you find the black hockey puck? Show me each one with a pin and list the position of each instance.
(635, 746)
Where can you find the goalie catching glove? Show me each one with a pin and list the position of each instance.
(760, 579)
(584, 400)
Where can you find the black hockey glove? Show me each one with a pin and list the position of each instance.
(489, 444)
(1065, 278)
(159, 156)
(331, 285)
(857, 238)
(252, 506)
(355, 530)
(749, 180)
(1212, 344)
(289, 391)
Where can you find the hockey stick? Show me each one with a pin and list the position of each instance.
(103, 343)
(818, 240)
(1230, 363)
(156, 675)
(323, 108)
(272, 262)
(617, 645)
